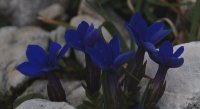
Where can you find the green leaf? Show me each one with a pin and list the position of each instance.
(139, 4)
(97, 6)
(195, 22)
(114, 32)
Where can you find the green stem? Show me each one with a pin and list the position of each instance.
(110, 90)
(195, 22)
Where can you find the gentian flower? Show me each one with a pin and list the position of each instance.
(141, 33)
(165, 56)
(40, 62)
(84, 36)
(107, 56)
(166, 59)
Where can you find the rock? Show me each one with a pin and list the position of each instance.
(24, 12)
(13, 46)
(86, 9)
(44, 104)
(77, 96)
(182, 83)
(75, 93)
(52, 11)
(58, 35)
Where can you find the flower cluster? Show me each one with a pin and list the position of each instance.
(104, 61)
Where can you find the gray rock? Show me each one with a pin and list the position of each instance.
(52, 11)
(13, 45)
(58, 35)
(182, 83)
(44, 104)
(86, 9)
(24, 12)
(75, 93)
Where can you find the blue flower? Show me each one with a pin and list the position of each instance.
(141, 33)
(84, 36)
(138, 107)
(39, 62)
(107, 56)
(165, 56)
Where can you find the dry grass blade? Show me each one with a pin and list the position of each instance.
(130, 5)
(174, 30)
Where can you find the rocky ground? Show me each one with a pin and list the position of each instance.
(21, 28)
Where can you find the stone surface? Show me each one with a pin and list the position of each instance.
(13, 45)
(182, 83)
(86, 9)
(24, 12)
(75, 93)
(52, 11)
(44, 104)
(58, 35)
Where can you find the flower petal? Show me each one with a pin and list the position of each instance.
(166, 49)
(100, 54)
(74, 39)
(150, 47)
(131, 32)
(179, 51)
(157, 57)
(82, 28)
(175, 62)
(36, 55)
(138, 27)
(62, 52)
(157, 37)
(123, 58)
(91, 38)
(153, 29)
(30, 70)
(114, 44)
(53, 51)
(138, 22)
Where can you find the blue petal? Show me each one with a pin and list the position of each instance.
(90, 28)
(53, 51)
(82, 28)
(74, 39)
(101, 54)
(138, 27)
(150, 47)
(157, 57)
(30, 70)
(175, 62)
(153, 29)
(91, 38)
(114, 44)
(123, 58)
(131, 32)
(62, 52)
(166, 49)
(156, 38)
(96, 58)
(138, 22)
(179, 51)
(36, 55)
